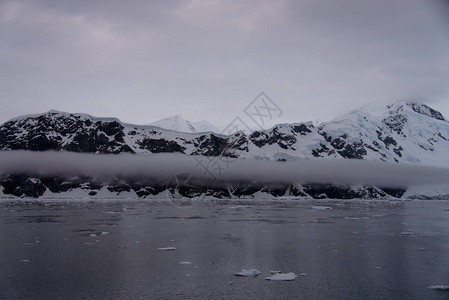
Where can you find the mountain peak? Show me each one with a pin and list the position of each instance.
(415, 107)
(175, 123)
(423, 109)
(178, 123)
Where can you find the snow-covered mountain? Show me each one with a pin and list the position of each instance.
(178, 123)
(404, 132)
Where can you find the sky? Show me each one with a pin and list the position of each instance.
(142, 61)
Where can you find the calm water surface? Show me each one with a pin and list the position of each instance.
(109, 250)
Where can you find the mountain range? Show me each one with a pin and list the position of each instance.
(403, 132)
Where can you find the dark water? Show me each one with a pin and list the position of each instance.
(108, 250)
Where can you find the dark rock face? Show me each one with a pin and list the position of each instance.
(302, 129)
(58, 184)
(237, 142)
(354, 150)
(160, 145)
(396, 123)
(425, 110)
(388, 140)
(210, 145)
(322, 151)
(22, 186)
(56, 131)
(95, 142)
(395, 192)
(40, 143)
(323, 191)
(282, 135)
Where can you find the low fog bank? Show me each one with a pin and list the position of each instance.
(164, 166)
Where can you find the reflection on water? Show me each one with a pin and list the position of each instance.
(109, 250)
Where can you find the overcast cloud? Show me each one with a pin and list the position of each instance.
(207, 59)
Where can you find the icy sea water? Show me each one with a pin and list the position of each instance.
(109, 249)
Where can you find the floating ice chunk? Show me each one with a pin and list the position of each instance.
(239, 207)
(92, 235)
(185, 263)
(283, 277)
(320, 207)
(25, 260)
(439, 287)
(166, 249)
(249, 273)
(104, 233)
(406, 233)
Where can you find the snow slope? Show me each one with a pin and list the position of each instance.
(178, 123)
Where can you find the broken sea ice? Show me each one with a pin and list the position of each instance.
(248, 273)
(320, 207)
(166, 249)
(282, 277)
(439, 287)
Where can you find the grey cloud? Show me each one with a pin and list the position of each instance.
(161, 168)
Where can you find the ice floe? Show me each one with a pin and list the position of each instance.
(439, 287)
(166, 249)
(320, 207)
(248, 273)
(282, 277)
